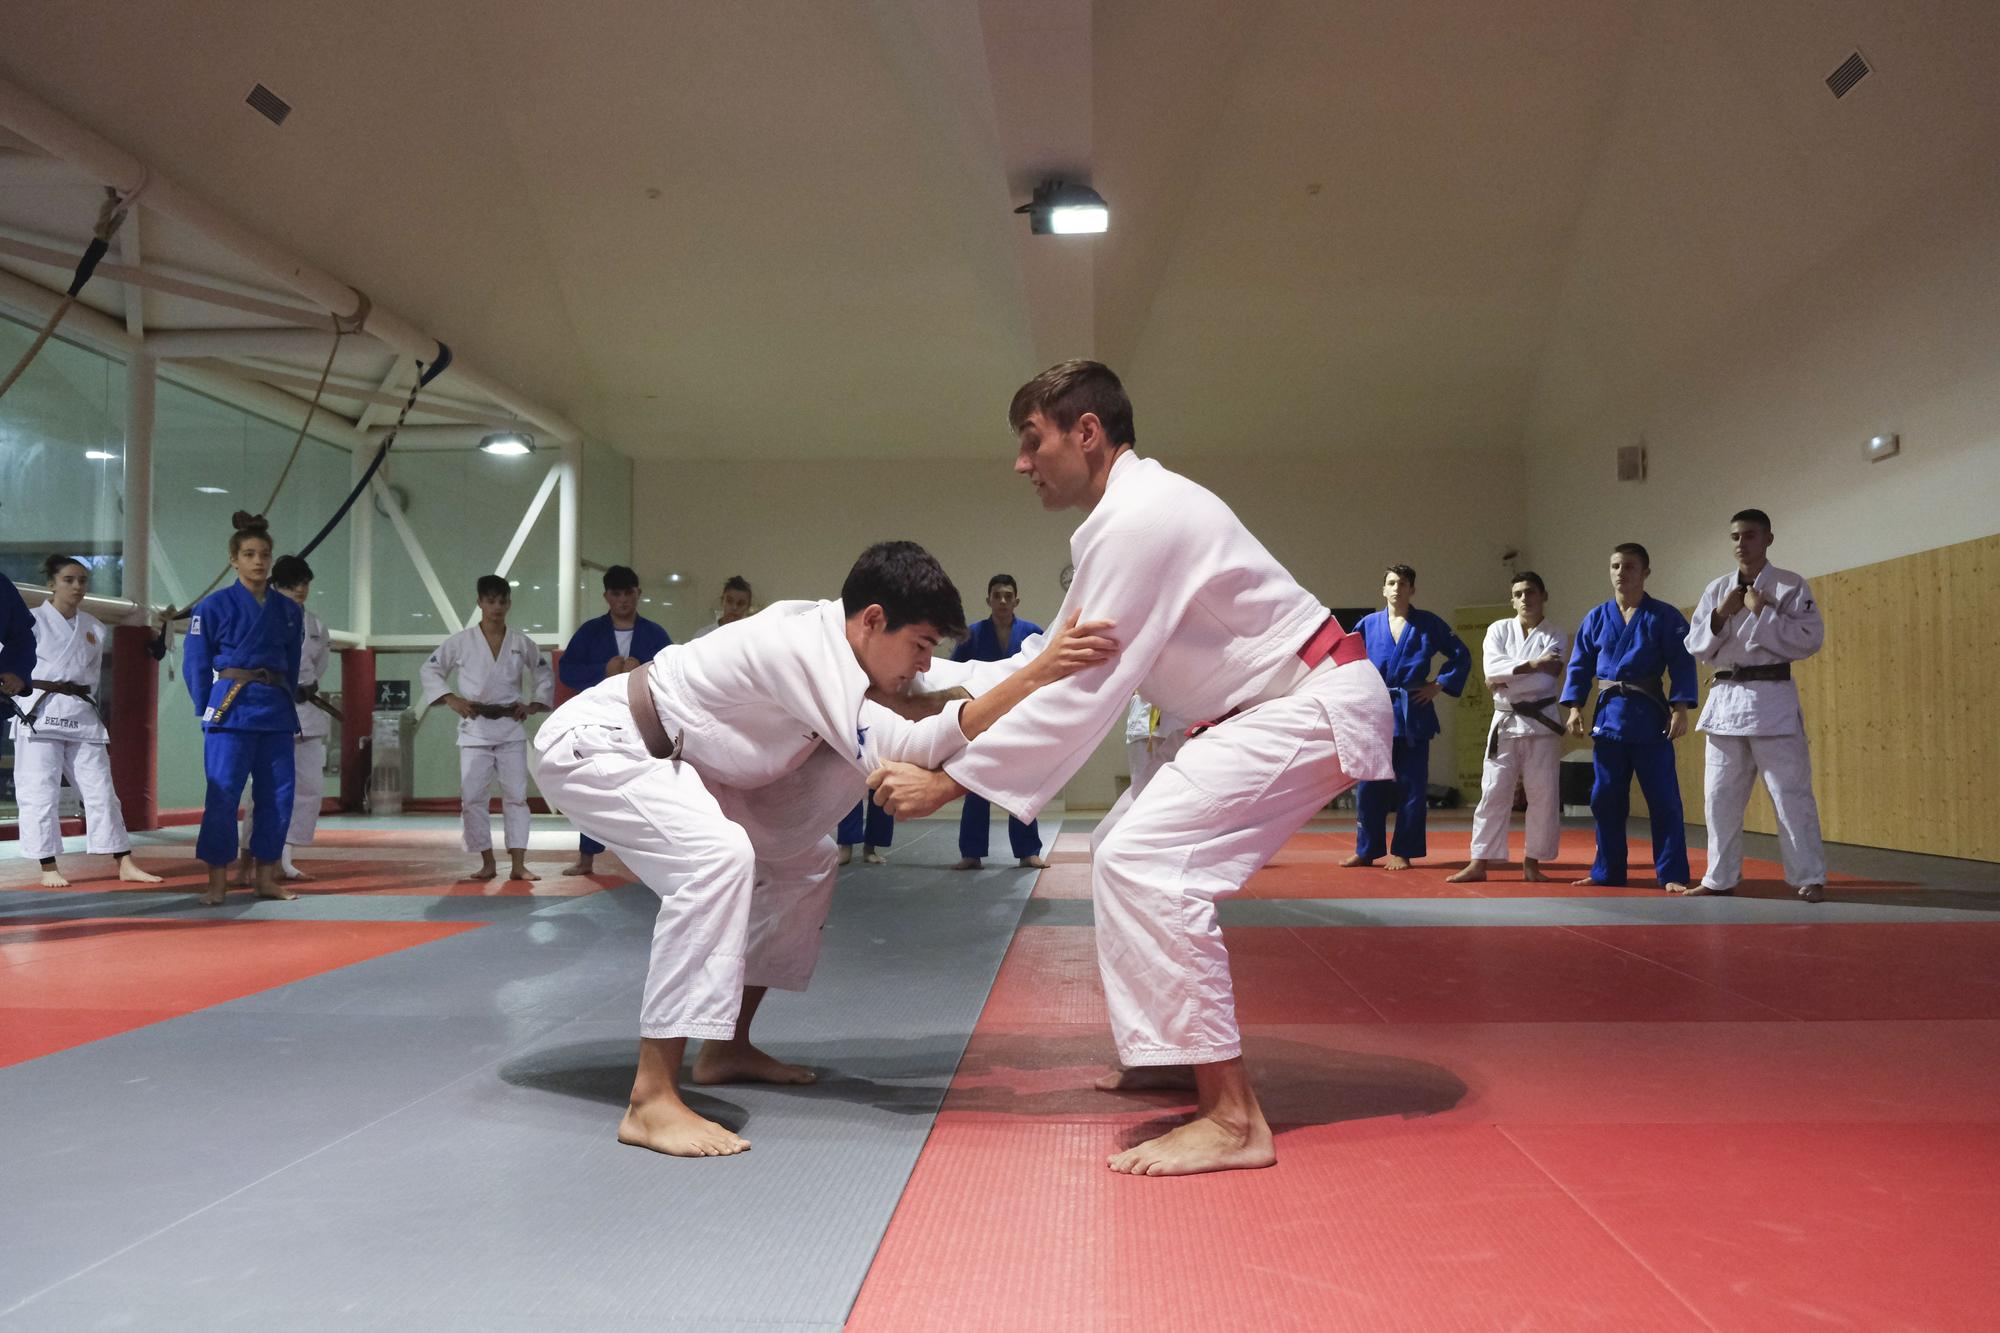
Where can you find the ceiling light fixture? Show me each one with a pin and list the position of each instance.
(508, 444)
(212, 490)
(98, 455)
(1061, 208)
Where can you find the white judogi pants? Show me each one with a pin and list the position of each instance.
(308, 787)
(39, 768)
(730, 915)
(1194, 832)
(478, 767)
(1734, 765)
(1534, 762)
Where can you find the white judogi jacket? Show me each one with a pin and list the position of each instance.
(314, 659)
(71, 650)
(774, 718)
(1506, 656)
(487, 678)
(1206, 619)
(1788, 629)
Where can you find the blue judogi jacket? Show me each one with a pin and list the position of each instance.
(596, 642)
(982, 641)
(1653, 643)
(1407, 665)
(230, 629)
(17, 633)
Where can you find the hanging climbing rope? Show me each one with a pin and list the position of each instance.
(110, 217)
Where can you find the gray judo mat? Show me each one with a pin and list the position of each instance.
(425, 1140)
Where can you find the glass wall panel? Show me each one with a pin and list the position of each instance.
(55, 496)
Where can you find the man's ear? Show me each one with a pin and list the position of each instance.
(874, 618)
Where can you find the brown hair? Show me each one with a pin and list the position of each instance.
(247, 526)
(56, 564)
(1067, 390)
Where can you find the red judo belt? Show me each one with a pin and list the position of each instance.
(1328, 641)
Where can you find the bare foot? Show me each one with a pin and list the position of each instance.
(294, 874)
(485, 872)
(846, 855)
(132, 872)
(218, 885)
(579, 868)
(673, 1129)
(1813, 893)
(874, 858)
(966, 863)
(1357, 860)
(1474, 872)
(740, 1062)
(1033, 863)
(1675, 886)
(1202, 1144)
(524, 874)
(53, 879)
(243, 873)
(268, 885)
(1700, 891)
(1588, 882)
(1397, 863)
(1148, 1078)
(1531, 871)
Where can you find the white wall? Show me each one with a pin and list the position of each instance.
(793, 529)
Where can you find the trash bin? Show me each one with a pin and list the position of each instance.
(391, 743)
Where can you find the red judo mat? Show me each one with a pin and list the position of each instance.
(1743, 1127)
(65, 981)
(1309, 866)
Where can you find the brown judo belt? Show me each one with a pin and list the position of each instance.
(1535, 710)
(639, 698)
(50, 687)
(241, 676)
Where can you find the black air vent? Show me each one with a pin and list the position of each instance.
(1852, 71)
(275, 108)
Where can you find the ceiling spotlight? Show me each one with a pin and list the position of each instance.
(98, 455)
(213, 490)
(508, 444)
(1060, 208)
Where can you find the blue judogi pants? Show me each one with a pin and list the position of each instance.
(587, 845)
(866, 823)
(975, 827)
(1614, 763)
(232, 758)
(1406, 794)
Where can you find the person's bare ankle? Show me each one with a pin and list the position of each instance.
(669, 1126)
(734, 1061)
(1531, 871)
(966, 863)
(1475, 871)
(1357, 860)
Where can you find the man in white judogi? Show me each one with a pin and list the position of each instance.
(1751, 625)
(489, 659)
(293, 577)
(1214, 631)
(717, 769)
(1524, 659)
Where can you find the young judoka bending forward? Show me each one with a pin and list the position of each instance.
(716, 770)
(1214, 631)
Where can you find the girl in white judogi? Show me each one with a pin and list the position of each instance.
(489, 659)
(293, 577)
(1220, 637)
(717, 769)
(61, 735)
(1751, 625)
(1524, 659)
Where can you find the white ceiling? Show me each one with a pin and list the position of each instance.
(781, 229)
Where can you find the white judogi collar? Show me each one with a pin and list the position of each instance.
(1787, 629)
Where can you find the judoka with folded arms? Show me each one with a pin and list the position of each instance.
(1752, 624)
(618, 641)
(1523, 657)
(1219, 636)
(1626, 646)
(489, 660)
(241, 661)
(715, 771)
(1402, 642)
(60, 732)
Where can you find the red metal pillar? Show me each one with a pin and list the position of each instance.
(134, 725)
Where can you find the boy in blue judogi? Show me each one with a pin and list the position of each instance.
(1402, 640)
(242, 667)
(1627, 645)
(996, 639)
(17, 640)
(614, 643)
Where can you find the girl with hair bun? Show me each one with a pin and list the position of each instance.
(60, 732)
(242, 668)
